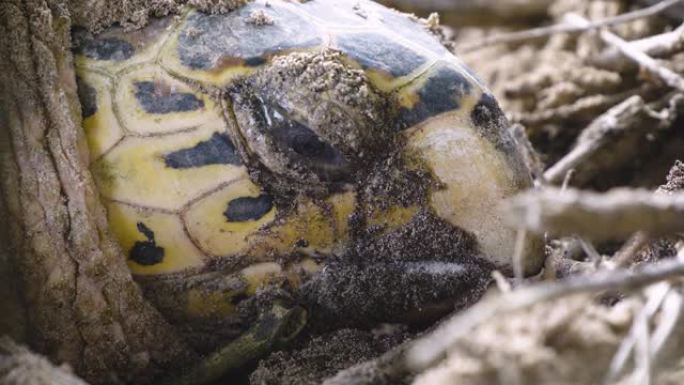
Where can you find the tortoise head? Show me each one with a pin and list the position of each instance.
(321, 125)
(312, 121)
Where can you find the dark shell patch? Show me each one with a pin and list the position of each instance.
(158, 99)
(87, 95)
(491, 120)
(108, 48)
(487, 113)
(248, 208)
(378, 52)
(441, 92)
(217, 150)
(210, 42)
(255, 61)
(147, 252)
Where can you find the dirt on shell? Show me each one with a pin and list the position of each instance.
(133, 14)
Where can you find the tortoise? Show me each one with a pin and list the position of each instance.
(323, 163)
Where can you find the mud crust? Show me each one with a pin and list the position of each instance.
(308, 86)
(313, 360)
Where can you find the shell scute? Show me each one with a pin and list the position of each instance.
(220, 227)
(377, 52)
(116, 48)
(100, 123)
(141, 170)
(103, 48)
(155, 100)
(218, 149)
(87, 96)
(150, 101)
(216, 48)
(441, 89)
(153, 241)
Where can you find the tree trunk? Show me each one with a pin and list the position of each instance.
(19, 366)
(81, 304)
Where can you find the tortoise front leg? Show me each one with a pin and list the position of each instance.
(273, 329)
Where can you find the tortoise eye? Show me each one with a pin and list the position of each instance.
(291, 135)
(291, 138)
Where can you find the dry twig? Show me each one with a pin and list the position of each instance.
(587, 106)
(661, 45)
(637, 242)
(613, 215)
(604, 127)
(429, 350)
(655, 298)
(537, 33)
(670, 77)
(622, 126)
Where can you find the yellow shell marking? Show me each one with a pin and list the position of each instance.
(102, 128)
(179, 253)
(310, 229)
(209, 227)
(209, 304)
(137, 120)
(135, 171)
(226, 73)
(392, 217)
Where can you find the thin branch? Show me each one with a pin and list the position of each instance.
(616, 214)
(656, 296)
(661, 45)
(625, 256)
(591, 252)
(519, 256)
(642, 355)
(614, 127)
(612, 120)
(537, 33)
(670, 315)
(670, 77)
(430, 349)
(582, 108)
(638, 241)
(664, 44)
(502, 283)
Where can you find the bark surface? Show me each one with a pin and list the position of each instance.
(81, 304)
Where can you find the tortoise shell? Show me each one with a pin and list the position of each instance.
(239, 151)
